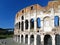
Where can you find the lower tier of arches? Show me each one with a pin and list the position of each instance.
(38, 39)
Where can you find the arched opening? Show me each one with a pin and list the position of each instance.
(47, 40)
(22, 18)
(46, 21)
(56, 21)
(19, 25)
(26, 24)
(32, 39)
(47, 24)
(57, 39)
(38, 23)
(26, 39)
(32, 23)
(32, 8)
(22, 38)
(38, 40)
(22, 26)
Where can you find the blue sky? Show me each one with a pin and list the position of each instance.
(8, 9)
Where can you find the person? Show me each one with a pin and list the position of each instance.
(2, 42)
(5, 43)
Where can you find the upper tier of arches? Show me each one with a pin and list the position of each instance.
(37, 7)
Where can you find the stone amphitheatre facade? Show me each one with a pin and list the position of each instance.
(36, 25)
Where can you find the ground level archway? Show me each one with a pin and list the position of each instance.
(38, 40)
(57, 39)
(22, 38)
(31, 39)
(47, 40)
(26, 39)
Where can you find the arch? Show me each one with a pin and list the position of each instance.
(26, 39)
(17, 26)
(47, 24)
(32, 23)
(47, 40)
(22, 38)
(38, 23)
(22, 26)
(46, 17)
(56, 21)
(38, 40)
(31, 39)
(57, 39)
(26, 24)
(46, 21)
(22, 18)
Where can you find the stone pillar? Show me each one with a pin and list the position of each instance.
(28, 39)
(24, 22)
(29, 25)
(29, 22)
(35, 22)
(52, 11)
(24, 25)
(53, 39)
(35, 25)
(20, 24)
(41, 24)
(17, 38)
(23, 38)
(42, 39)
(20, 38)
(35, 41)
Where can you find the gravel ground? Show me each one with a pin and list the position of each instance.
(8, 41)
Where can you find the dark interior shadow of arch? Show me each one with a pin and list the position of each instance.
(47, 40)
(22, 38)
(31, 39)
(22, 25)
(38, 40)
(22, 18)
(19, 25)
(26, 39)
(26, 24)
(57, 39)
(32, 23)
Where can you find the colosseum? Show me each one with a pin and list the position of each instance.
(37, 25)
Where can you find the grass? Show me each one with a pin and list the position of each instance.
(6, 36)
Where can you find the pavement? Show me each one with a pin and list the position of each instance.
(8, 41)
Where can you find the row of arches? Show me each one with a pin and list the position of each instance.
(56, 23)
(31, 24)
(56, 20)
(27, 24)
(47, 39)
